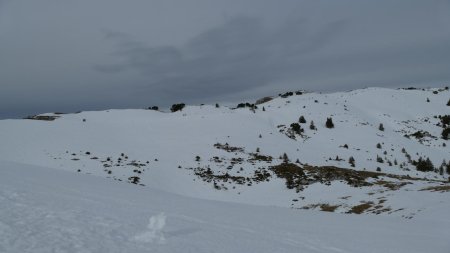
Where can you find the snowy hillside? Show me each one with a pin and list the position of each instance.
(261, 154)
(245, 178)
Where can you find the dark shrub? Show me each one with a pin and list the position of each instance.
(351, 160)
(177, 107)
(445, 120)
(296, 128)
(302, 119)
(379, 159)
(446, 133)
(285, 158)
(329, 123)
(381, 127)
(287, 94)
(423, 165)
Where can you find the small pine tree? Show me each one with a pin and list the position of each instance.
(302, 119)
(446, 133)
(312, 126)
(351, 160)
(329, 123)
(381, 127)
(448, 103)
(441, 170)
(285, 158)
(257, 150)
(264, 109)
(378, 145)
(424, 165)
(177, 107)
(217, 105)
(296, 128)
(379, 159)
(428, 100)
(197, 158)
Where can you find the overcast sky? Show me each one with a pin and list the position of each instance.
(66, 56)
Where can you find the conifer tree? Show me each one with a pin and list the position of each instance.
(329, 123)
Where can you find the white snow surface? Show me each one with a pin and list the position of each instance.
(49, 210)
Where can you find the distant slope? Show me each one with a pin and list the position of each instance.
(229, 154)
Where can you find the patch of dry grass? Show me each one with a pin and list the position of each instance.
(361, 208)
(438, 188)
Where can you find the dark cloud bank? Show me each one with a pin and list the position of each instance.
(247, 57)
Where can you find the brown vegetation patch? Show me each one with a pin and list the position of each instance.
(438, 188)
(361, 208)
(328, 207)
(228, 148)
(293, 174)
(393, 186)
(323, 207)
(258, 157)
(326, 174)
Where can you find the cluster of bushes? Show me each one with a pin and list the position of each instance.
(446, 133)
(445, 123)
(296, 128)
(177, 107)
(290, 93)
(243, 105)
(445, 120)
(423, 164)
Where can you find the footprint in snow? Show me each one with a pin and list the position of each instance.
(154, 233)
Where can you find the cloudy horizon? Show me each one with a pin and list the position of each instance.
(70, 56)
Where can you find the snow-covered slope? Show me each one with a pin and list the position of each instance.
(227, 154)
(49, 210)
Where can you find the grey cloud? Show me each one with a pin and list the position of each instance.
(239, 55)
(244, 54)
